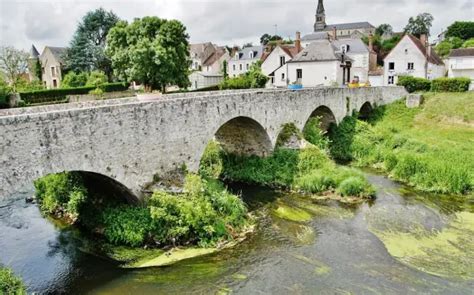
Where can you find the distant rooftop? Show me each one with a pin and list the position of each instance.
(321, 50)
(349, 26)
(462, 52)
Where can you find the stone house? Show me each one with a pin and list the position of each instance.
(207, 68)
(461, 64)
(243, 59)
(199, 53)
(52, 65)
(413, 57)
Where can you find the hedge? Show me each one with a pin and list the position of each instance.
(450, 84)
(413, 84)
(54, 95)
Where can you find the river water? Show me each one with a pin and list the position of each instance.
(342, 249)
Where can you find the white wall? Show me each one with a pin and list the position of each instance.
(237, 63)
(360, 65)
(273, 60)
(323, 73)
(462, 67)
(199, 81)
(376, 80)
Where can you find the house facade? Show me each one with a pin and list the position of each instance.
(243, 59)
(412, 57)
(52, 65)
(461, 64)
(207, 65)
(199, 53)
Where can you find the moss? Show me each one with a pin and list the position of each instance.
(290, 213)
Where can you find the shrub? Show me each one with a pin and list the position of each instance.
(126, 225)
(356, 187)
(286, 133)
(211, 165)
(413, 84)
(254, 78)
(451, 84)
(5, 92)
(96, 78)
(73, 80)
(312, 133)
(9, 283)
(316, 181)
(98, 91)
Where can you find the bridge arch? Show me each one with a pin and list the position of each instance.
(326, 116)
(244, 136)
(365, 110)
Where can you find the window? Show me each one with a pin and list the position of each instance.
(391, 80)
(53, 72)
(247, 67)
(411, 66)
(391, 66)
(42, 70)
(233, 67)
(299, 73)
(406, 51)
(55, 83)
(240, 67)
(251, 55)
(283, 76)
(282, 60)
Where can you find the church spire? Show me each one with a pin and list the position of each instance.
(320, 23)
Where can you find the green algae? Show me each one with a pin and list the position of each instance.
(296, 232)
(292, 213)
(320, 267)
(448, 252)
(171, 257)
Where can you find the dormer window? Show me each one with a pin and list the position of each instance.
(251, 54)
(345, 48)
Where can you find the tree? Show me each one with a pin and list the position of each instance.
(247, 45)
(419, 25)
(444, 48)
(463, 30)
(267, 38)
(225, 73)
(87, 48)
(469, 43)
(13, 64)
(384, 29)
(151, 51)
(73, 80)
(96, 78)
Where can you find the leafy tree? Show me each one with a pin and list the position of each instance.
(13, 64)
(151, 51)
(469, 43)
(444, 48)
(419, 25)
(87, 48)
(24, 85)
(73, 80)
(96, 78)
(383, 28)
(264, 39)
(456, 41)
(463, 30)
(247, 45)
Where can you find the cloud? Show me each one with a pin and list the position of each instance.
(225, 22)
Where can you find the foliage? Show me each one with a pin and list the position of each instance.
(126, 225)
(24, 85)
(414, 145)
(286, 133)
(151, 51)
(355, 186)
(419, 25)
(384, 29)
(211, 161)
(13, 64)
(87, 49)
(5, 92)
(224, 70)
(468, 43)
(60, 95)
(413, 84)
(254, 78)
(97, 91)
(73, 80)
(314, 134)
(96, 78)
(265, 38)
(246, 45)
(461, 29)
(451, 84)
(10, 284)
(444, 48)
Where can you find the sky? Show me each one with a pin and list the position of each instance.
(224, 22)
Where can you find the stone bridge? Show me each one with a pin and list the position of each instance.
(129, 141)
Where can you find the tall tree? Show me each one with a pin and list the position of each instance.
(87, 48)
(13, 64)
(463, 30)
(151, 51)
(384, 29)
(419, 25)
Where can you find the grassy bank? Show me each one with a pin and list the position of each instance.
(9, 283)
(429, 148)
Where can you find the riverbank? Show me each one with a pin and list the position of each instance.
(428, 148)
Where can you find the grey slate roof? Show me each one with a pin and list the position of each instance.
(349, 26)
(58, 53)
(315, 36)
(34, 52)
(462, 52)
(355, 45)
(321, 50)
(245, 53)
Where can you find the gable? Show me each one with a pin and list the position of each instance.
(406, 43)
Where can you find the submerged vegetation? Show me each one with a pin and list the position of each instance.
(9, 283)
(428, 148)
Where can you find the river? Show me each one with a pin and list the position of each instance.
(342, 249)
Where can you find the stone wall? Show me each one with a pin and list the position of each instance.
(131, 140)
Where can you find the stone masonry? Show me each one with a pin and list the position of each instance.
(132, 140)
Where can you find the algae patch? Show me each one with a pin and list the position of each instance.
(172, 256)
(291, 213)
(448, 252)
(320, 267)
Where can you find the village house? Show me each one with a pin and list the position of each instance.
(52, 65)
(319, 64)
(275, 58)
(412, 57)
(461, 64)
(243, 59)
(207, 65)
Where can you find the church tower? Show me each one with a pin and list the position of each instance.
(320, 23)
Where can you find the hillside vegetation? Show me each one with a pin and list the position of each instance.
(430, 148)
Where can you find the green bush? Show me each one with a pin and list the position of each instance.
(413, 84)
(316, 181)
(96, 78)
(314, 134)
(450, 84)
(73, 80)
(5, 92)
(254, 78)
(355, 186)
(10, 284)
(211, 165)
(286, 133)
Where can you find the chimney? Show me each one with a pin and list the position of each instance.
(424, 40)
(298, 42)
(371, 42)
(334, 33)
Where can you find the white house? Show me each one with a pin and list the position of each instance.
(319, 64)
(413, 57)
(360, 54)
(461, 64)
(241, 62)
